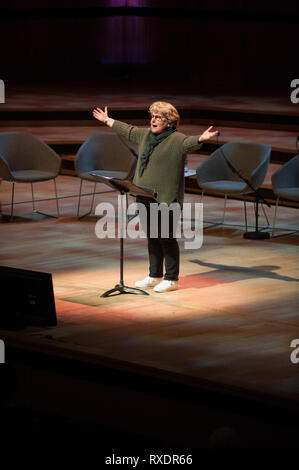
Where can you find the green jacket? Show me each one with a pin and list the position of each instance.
(165, 170)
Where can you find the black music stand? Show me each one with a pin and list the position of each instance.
(124, 187)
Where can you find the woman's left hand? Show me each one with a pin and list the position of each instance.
(208, 134)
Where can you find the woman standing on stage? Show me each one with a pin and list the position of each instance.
(160, 167)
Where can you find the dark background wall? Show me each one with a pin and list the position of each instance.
(227, 46)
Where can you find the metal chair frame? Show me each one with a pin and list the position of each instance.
(34, 210)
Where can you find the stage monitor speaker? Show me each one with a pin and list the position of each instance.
(27, 298)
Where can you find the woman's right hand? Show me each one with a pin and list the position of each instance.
(100, 115)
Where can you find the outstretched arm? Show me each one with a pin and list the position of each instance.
(207, 134)
(195, 142)
(102, 116)
(132, 133)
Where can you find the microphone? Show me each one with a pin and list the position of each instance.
(218, 134)
(297, 143)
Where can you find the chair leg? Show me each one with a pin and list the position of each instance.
(224, 208)
(12, 199)
(79, 201)
(44, 213)
(57, 206)
(32, 194)
(245, 213)
(9, 217)
(274, 221)
(214, 224)
(92, 201)
(287, 231)
(94, 192)
(265, 214)
(224, 215)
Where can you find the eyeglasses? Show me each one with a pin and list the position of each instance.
(157, 117)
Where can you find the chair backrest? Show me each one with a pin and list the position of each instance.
(288, 175)
(104, 151)
(249, 158)
(24, 151)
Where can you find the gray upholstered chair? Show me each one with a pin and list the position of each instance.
(25, 158)
(285, 184)
(250, 159)
(104, 154)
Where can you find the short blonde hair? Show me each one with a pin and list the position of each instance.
(167, 111)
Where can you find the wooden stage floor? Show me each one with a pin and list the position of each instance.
(229, 325)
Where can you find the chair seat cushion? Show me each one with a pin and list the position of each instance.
(288, 193)
(31, 176)
(108, 173)
(224, 186)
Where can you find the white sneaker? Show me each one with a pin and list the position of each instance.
(148, 282)
(166, 286)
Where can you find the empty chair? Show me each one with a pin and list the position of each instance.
(251, 160)
(105, 154)
(25, 158)
(285, 183)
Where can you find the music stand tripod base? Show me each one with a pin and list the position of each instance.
(121, 289)
(256, 235)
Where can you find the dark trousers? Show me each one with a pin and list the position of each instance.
(162, 249)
